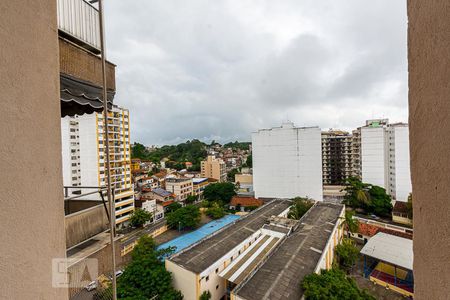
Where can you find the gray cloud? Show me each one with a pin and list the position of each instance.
(222, 69)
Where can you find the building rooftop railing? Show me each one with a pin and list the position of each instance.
(78, 21)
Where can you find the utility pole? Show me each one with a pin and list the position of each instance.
(106, 131)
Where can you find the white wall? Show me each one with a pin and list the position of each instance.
(287, 162)
(374, 156)
(88, 152)
(66, 157)
(402, 170)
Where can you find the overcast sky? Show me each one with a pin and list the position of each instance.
(222, 69)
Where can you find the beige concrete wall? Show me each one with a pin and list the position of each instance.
(429, 120)
(85, 224)
(243, 178)
(32, 212)
(184, 281)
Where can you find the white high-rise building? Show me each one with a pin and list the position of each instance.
(84, 157)
(287, 162)
(385, 157)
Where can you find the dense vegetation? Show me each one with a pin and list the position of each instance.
(220, 191)
(332, 284)
(347, 254)
(184, 217)
(191, 151)
(299, 207)
(370, 198)
(350, 224)
(146, 277)
(215, 211)
(139, 217)
(238, 145)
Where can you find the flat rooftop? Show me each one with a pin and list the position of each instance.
(297, 256)
(200, 256)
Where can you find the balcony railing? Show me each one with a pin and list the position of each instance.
(79, 19)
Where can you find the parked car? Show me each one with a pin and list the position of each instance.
(118, 273)
(91, 286)
(374, 217)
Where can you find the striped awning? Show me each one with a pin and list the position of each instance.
(80, 97)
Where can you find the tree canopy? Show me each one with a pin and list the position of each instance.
(139, 217)
(146, 277)
(334, 285)
(350, 224)
(191, 151)
(185, 217)
(370, 198)
(299, 207)
(222, 191)
(216, 211)
(238, 145)
(347, 254)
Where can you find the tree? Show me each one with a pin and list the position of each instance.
(231, 174)
(409, 206)
(173, 207)
(347, 254)
(190, 199)
(332, 284)
(223, 191)
(299, 207)
(380, 204)
(350, 224)
(370, 198)
(146, 277)
(139, 217)
(215, 211)
(206, 295)
(188, 216)
(249, 161)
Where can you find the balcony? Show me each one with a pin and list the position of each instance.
(78, 20)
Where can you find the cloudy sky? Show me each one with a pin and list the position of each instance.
(222, 69)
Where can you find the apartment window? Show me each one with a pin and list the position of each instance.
(217, 270)
(207, 278)
(217, 287)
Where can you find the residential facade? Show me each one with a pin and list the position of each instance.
(336, 157)
(215, 168)
(287, 162)
(84, 157)
(385, 157)
(180, 187)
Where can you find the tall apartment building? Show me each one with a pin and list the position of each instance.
(215, 168)
(336, 157)
(385, 157)
(356, 153)
(287, 162)
(84, 157)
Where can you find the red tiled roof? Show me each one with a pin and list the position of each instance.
(370, 230)
(400, 207)
(245, 201)
(166, 203)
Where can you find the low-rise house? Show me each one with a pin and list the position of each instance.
(245, 203)
(400, 213)
(157, 210)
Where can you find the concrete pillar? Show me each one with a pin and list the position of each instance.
(32, 208)
(429, 121)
